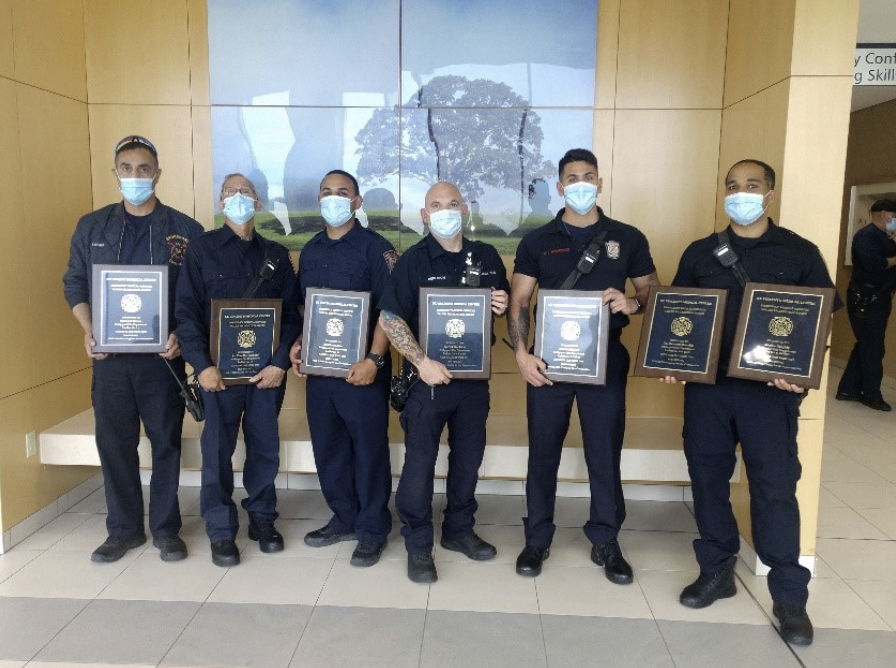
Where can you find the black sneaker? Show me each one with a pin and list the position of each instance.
(225, 553)
(470, 545)
(616, 568)
(796, 628)
(262, 530)
(171, 548)
(422, 569)
(115, 548)
(326, 536)
(367, 553)
(710, 587)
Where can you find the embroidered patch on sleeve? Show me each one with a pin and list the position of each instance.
(391, 257)
(177, 246)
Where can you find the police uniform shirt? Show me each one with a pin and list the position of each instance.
(871, 246)
(220, 265)
(427, 265)
(361, 261)
(779, 256)
(550, 253)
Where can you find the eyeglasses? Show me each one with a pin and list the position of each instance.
(136, 139)
(230, 191)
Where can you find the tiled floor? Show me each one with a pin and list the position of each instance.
(307, 607)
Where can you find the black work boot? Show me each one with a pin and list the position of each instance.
(710, 587)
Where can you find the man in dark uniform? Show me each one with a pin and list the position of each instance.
(128, 388)
(869, 301)
(440, 259)
(225, 264)
(349, 417)
(546, 257)
(763, 417)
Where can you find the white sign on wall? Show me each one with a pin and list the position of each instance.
(875, 65)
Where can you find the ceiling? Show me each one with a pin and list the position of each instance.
(877, 23)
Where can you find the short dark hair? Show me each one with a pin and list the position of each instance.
(576, 155)
(884, 205)
(767, 170)
(347, 175)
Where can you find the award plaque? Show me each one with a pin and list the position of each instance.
(681, 334)
(456, 329)
(572, 335)
(129, 308)
(245, 334)
(781, 332)
(334, 335)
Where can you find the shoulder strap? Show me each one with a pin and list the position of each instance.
(265, 271)
(586, 261)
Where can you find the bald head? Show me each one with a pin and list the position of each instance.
(442, 196)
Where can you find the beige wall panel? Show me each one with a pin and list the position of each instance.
(648, 397)
(808, 210)
(760, 42)
(662, 65)
(824, 31)
(603, 133)
(754, 128)
(508, 394)
(7, 58)
(44, 118)
(607, 50)
(152, 37)
(203, 188)
(168, 127)
(197, 15)
(665, 178)
(15, 297)
(49, 45)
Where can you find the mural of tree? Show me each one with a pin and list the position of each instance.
(474, 133)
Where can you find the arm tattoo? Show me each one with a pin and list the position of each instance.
(518, 329)
(401, 337)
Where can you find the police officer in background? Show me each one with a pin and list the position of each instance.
(869, 301)
(762, 417)
(548, 257)
(349, 417)
(440, 259)
(130, 387)
(225, 264)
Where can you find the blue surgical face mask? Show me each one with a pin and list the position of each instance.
(445, 223)
(136, 191)
(580, 197)
(336, 210)
(745, 208)
(891, 226)
(239, 209)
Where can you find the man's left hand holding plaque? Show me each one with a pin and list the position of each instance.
(245, 333)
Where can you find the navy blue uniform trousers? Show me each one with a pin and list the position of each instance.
(127, 388)
(865, 369)
(602, 416)
(258, 410)
(350, 436)
(463, 405)
(764, 420)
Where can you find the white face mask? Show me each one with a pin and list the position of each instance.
(745, 208)
(580, 196)
(445, 223)
(239, 209)
(336, 210)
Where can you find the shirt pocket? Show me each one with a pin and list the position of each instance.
(779, 272)
(708, 276)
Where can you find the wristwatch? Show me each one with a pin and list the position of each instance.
(637, 304)
(377, 359)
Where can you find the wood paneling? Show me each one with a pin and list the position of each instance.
(671, 54)
(607, 50)
(168, 127)
(203, 190)
(7, 57)
(48, 36)
(56, 187)
(198, 34)
(824, 32)
(137, 54)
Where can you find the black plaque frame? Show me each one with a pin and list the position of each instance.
(684, 323)
(551, 332)
(805, 311)
(328, 353)
(136, 320)
(255, 315)
(475, 333)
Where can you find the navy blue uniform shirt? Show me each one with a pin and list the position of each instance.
(550, 253)
(361, 261)
(871, 247)
(427, 265)
(779, 256)
(220, 265)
